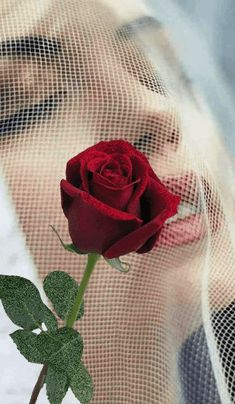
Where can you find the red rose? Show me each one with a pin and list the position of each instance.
(114, 202)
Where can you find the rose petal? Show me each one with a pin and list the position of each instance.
(96, 226)
(116, 146)
(121, 147)
(125, 165)
(161, 205)
(116, 197)
(101, 149)
(73, 171)
(68, 193)
(136, 240)
(76, 171)
(140, 171)
(84, 171)
(115, 167)
(150, 243)
(157, 198)
(93, 225)
(95, 165)
(113, 172)
(163, 200)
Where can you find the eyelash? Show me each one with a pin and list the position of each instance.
(143, 142)
(28, 48)
(23, 118)
(31, 47)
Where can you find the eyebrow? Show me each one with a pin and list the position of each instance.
(30, 47)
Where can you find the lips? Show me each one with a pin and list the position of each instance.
(190, 225)
(183, 231)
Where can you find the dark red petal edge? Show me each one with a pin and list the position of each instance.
(72, 192)
(136, 240)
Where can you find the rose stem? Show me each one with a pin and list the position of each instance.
(38, 385)
(72, 317)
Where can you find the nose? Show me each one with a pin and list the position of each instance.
(122, 106)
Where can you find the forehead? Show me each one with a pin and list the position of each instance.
(21, 17)
(76, 34)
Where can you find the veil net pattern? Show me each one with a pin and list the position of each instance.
(74, 73)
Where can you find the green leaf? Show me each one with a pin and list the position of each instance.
(57, 385)
(69, 247)
(50, 320)
(23, 305)
(118, 264)
(26, 342)
(63, 349)
(62, 289)
(81, 384)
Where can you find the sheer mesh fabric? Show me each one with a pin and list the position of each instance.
(74, 73)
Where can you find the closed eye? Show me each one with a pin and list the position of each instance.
(25, 117)
(144, 142)
(28, 82)
(38, 47)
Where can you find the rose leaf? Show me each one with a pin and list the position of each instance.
(62, 289)
(81, 384)
(26, 342)
(63, 349)
(50, 320)
(57, 385)
(23, 305)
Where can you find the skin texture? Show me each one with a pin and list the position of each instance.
(106, 89)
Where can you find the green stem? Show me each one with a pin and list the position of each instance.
(91, 262)
(72, 317)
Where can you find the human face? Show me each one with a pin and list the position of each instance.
(62, 91)
(72, 76)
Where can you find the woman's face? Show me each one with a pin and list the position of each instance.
(69, 77)
(71, 74)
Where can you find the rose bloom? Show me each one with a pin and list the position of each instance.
(114, 202)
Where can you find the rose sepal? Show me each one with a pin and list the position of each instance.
(116, 263)
(69, 247)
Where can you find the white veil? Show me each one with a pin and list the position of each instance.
(73, 73)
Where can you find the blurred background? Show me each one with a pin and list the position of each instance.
(204, 34)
